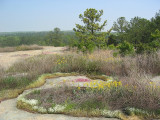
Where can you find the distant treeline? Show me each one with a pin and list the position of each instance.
(61, 38)
(137, 35)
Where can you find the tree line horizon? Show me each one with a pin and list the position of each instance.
(138, 35)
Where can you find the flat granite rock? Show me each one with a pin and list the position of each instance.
(8, 111)
(156, 80)
(67, 81)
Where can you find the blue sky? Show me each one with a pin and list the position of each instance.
(45, 15)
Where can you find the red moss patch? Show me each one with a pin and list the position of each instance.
(82, 80)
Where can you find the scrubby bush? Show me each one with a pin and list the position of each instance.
(112, 47)
(125, 48)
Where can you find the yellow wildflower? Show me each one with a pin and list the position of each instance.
(64, 80)
(79, 88)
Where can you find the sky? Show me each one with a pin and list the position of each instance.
(45, 15)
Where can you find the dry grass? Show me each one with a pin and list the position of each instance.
(97, 63)
(134, 72)
(100, 62)
(142, 96)
(70, 63)
(21, 48)
(149, 63)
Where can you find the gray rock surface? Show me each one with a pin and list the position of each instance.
(8, 111)
(156, 80)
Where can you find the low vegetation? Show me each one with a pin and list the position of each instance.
(137, 95)
(20, 48)
(111, 99)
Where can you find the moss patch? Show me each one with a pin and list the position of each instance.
(13, 93)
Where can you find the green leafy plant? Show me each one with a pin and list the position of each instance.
(111, 47)
(125, 48)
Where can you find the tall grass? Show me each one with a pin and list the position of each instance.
(99, 63)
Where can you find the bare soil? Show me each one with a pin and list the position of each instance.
(9, 58)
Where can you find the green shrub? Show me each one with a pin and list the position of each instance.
(111, 47)
(14, 82)
(36, 91)
(91, 104)
(155, 44)
(125, 48)
(87, 46)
